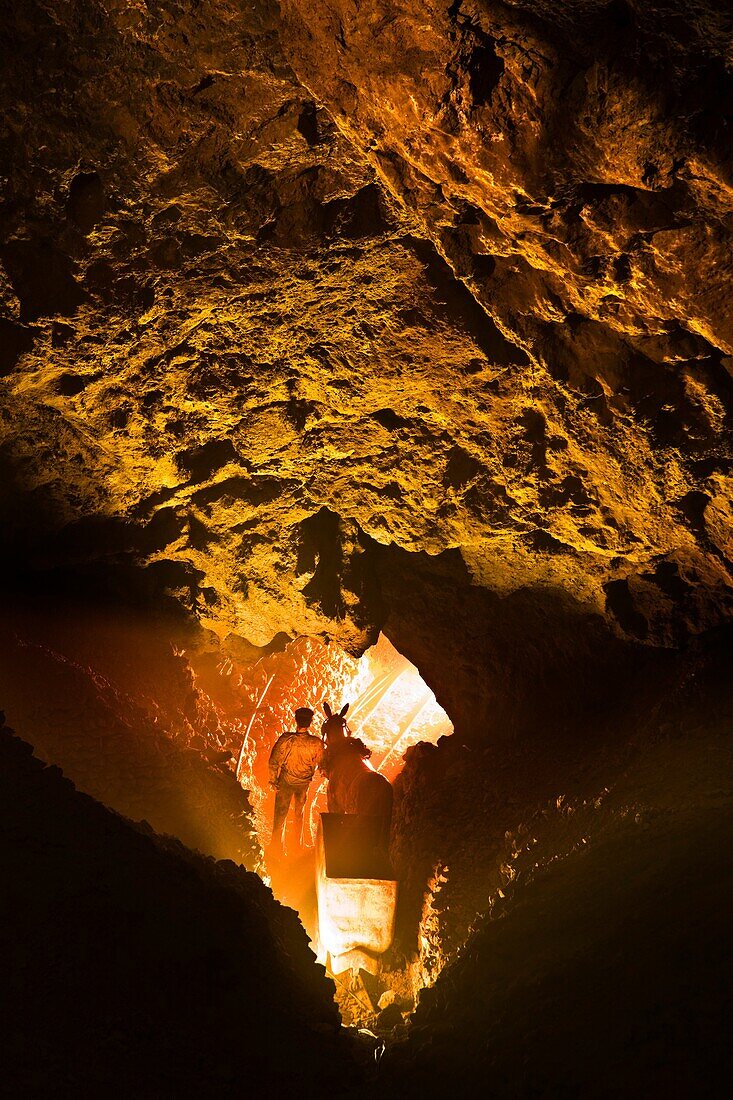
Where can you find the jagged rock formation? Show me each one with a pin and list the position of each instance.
(601, 969)
(572, 170)
(331, 317)
(115, 750)
(242, 350)
(135, 966)
(464, 808)
(202, 417)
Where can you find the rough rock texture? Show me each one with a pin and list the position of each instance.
(242, 324)
(473, 819)
(601, 969)
(133, 966)
(342, 316)
(571, 166)
(239, 347)
(111, 746)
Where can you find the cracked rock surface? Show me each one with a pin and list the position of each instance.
(569, 165)
(457, 286)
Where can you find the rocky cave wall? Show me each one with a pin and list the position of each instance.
(180, 208)
(466, 809)
(135, 965)
(115, 743)
(570, 168)
(242, 350)
(343, 317)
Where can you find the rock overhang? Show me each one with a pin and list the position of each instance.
(270, 336)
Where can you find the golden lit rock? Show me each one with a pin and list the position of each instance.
(377, 353)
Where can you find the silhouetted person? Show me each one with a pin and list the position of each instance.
(293, 762)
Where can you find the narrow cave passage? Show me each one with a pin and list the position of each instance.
(149, 716)
(156, 719)
(391, 709)
(390, 706)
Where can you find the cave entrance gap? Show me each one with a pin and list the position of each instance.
(391, 708)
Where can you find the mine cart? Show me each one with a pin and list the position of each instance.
(357, 893)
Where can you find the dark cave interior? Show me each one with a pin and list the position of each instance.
(373, 353)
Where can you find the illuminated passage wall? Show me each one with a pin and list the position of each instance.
(390, 705)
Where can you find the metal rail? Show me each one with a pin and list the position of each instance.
(249, 724)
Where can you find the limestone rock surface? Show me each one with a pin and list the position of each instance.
(570, 166)
(300, 302)
(328, 317)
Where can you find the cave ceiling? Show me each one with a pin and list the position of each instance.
(291, 297)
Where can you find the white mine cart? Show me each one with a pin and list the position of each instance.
(357, 893)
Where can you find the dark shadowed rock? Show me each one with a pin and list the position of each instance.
(160, 971)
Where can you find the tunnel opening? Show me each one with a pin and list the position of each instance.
(505, 868)
(390, 705)
(391, 709)
(150, 714)
(173, 726)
